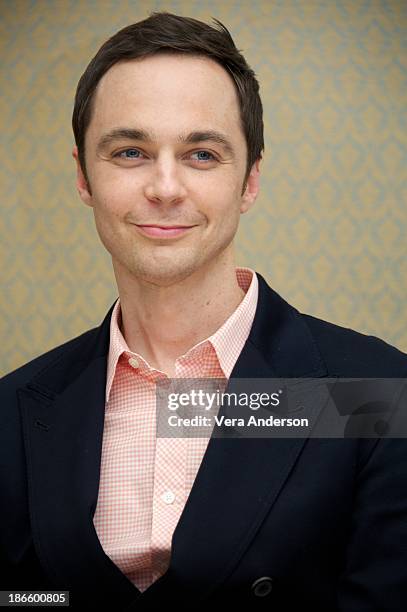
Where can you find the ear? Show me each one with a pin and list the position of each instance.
(252, 187)
(81, 182)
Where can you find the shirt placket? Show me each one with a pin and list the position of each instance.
(171, 457)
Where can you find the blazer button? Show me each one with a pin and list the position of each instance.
(262, 586)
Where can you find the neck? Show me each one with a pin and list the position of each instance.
(161, 323)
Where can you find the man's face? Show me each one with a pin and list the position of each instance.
(143, 169)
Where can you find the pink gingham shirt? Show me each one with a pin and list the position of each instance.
(145, 480)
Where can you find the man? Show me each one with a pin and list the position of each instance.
(169, 137)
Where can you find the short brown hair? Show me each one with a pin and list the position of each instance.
(168, 33)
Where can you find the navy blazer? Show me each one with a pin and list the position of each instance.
(276, 524)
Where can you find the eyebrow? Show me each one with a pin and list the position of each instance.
(145, 136)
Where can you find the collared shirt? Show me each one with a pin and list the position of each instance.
(145, 480)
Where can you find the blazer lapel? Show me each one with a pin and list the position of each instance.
(62, 412)
(237, 484)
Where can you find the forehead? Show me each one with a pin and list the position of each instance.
(167, 91)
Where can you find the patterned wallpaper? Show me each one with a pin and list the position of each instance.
(327, 232)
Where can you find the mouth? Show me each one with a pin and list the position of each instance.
(164, 231)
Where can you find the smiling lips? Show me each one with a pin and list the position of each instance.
(164, 231)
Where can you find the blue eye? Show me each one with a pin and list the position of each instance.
(129, 154)
(203, 159)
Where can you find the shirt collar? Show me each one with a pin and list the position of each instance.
(229, 339)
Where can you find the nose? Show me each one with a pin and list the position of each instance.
(165, 182)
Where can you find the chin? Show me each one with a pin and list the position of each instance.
(163, 275)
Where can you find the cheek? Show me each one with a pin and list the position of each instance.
(113, 199)
(115, 186)
(219, 194)
(110, 207)
(224, 220)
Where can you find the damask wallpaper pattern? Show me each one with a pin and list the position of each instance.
(329, 229)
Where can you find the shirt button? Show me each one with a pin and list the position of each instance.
(133, 362)
(168, 497)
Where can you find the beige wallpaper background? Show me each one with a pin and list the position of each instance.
(329, 229)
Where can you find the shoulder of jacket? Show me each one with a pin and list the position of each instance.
(21, 375)
(350, 353)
